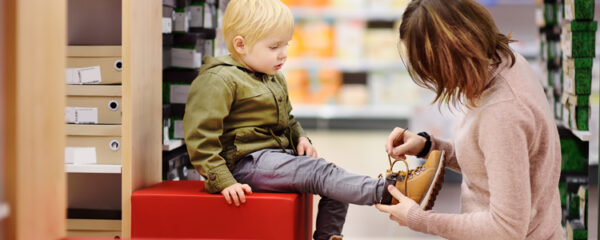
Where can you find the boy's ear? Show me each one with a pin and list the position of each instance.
(239, 44)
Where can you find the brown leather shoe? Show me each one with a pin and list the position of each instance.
(421, 184)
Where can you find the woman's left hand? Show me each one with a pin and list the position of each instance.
(305, 148)
(398, 212)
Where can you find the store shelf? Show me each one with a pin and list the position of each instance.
(173, 144)
(381, 14)
(351, 112)
(492, 3)
(4, 210)
(92, 168)
(334, 117)
(582, 135)
(335, 13)
(345, 65)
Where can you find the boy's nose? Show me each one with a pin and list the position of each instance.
(283, 56)
(283, 53)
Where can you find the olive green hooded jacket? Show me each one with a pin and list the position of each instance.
(231, 112)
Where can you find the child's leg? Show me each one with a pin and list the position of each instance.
(330, 218)
(271, 170)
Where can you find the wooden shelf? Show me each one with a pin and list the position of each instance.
(351, 112)
(92, 168)
(93, 228)
(582, 135)
(173, 144)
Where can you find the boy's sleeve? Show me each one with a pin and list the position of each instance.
(209, 101)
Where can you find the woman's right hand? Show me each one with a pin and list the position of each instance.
(401, 142)
(236, 193)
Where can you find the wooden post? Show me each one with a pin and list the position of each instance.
(34, 41)
(142, 99)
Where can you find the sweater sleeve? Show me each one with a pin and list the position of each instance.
(501, 134)
(449, 154)
(209, 101)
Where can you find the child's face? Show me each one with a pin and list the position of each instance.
(268, 54)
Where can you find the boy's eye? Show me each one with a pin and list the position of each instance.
(273, 47)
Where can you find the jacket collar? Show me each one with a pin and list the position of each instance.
(231, 61)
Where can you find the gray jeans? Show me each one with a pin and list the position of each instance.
(272, 170)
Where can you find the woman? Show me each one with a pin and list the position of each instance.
(506, 147)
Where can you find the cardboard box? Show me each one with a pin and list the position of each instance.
(579, 10)
(582, 192)
(577, 76)
(176, 84)
(186, 58)
(168, 17)
(578, 39)
(94, 65)
(197, 14)
(93, 144)
(576, 111)
(202, 41)
(182, 20)
(175, 121)
(93, 104)
(576, 230)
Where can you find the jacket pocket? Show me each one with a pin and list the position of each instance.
(249, 93)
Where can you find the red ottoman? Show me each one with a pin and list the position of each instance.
(182, 209)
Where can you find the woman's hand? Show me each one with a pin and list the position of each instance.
(398, 212)
(236, 193)
(305, 148)
(401, 142)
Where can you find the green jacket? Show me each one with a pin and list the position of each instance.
(231, 112)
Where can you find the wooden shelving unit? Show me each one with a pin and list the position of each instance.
(33, 50)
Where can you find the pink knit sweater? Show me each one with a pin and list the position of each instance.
(508, 152)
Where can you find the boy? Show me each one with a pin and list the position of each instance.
(238, 128)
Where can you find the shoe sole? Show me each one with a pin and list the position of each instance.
(435, 185)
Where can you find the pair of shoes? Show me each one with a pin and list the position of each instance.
(421, 184)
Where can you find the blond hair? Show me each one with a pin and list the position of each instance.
(452, 48)
(254, 19)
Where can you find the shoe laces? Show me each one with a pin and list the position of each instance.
(408, 172)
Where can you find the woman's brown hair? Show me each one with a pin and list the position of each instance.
(453, 47)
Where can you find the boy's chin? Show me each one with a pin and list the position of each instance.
(274, 72)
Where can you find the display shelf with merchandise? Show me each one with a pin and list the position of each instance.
(351, 112)
(375, 12)
(581, 135)
(173, 144)
(345, 65)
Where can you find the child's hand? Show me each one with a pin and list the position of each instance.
(305, 148)
(398, 212)
(236, 192)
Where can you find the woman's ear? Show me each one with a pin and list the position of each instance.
(239, 44)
